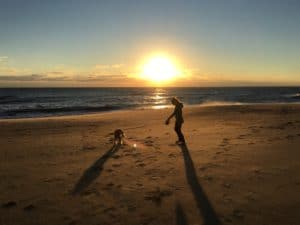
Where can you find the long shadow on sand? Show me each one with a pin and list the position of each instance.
(93, 171)
(206, 210)
(180, 216)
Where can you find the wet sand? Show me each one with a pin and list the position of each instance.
(240, 166)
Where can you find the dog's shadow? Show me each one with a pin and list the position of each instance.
(91, 173)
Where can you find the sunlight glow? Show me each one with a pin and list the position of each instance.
(159, 69)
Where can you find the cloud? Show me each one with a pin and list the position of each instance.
(3, 59)
(116, 66)
(32, 77)
(108, 66)
(62, 77)
(7, 69)
(102, 67)
(107, 69)
(101, 78)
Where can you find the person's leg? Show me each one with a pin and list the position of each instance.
(181, 134)
(178, 131)
(176, 128)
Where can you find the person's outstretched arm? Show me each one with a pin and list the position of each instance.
(170, 117)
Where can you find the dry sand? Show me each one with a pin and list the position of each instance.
(240, 166)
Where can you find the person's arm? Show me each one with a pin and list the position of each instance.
(170, 117)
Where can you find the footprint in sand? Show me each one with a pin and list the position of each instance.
(172, 145)
(157, 195)
(227, 185)
(149, 144)
(110, 184)
(224, 142)
(227, 220)
(250, 196)
(116, 165)
(29, 208)
(257, 171)
(109, 209)
(227, 198)
(131, 208)
(242, 136)
(128, 150)
(237, 214)
(9, 205)
(172, 155)
(136, 154)
(73, 222)
(203, 168)
(109, 134)
(116, 156)
(289, 137)
(88, 147)
(208, 178)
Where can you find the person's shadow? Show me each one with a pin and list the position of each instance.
(180, 215)
(205, 208)
(91, 173)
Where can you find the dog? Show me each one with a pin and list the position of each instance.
(119, 136)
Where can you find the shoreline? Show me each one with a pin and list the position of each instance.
(160, 107)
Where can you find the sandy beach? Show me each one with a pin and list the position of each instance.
(240, 166)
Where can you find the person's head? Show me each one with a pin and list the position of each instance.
(175, 101)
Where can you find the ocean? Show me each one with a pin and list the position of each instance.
(42, 102)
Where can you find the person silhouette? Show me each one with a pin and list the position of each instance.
(178, 120)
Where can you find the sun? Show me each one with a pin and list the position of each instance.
(159, 69)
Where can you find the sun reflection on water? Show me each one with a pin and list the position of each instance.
(160, 99)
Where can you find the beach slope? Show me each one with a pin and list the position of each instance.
(240, 166)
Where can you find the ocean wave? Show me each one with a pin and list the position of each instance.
(220, 103)
(10, 99)
(53, 111)
(39, 102)
(297, 96)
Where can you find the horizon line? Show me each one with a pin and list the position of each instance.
(94, 87)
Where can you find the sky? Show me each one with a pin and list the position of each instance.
(105, 42)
